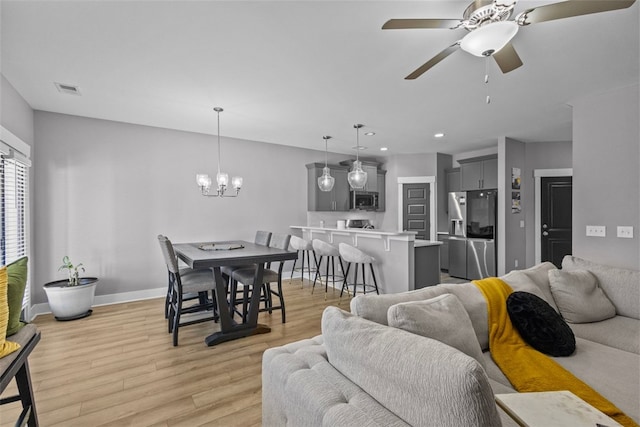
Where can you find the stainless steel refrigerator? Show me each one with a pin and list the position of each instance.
(472, 226)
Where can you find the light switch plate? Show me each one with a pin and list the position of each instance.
(596, 230)
(625, 232)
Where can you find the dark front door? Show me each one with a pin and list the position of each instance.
(415, 209)
(555, 218)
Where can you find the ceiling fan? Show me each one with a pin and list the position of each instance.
(491, 31)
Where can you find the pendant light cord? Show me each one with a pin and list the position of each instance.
(218, 111)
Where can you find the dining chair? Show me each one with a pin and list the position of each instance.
(198, 282)
(246, 276)
(262, 238)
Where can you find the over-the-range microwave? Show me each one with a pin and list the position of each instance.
(363, 200)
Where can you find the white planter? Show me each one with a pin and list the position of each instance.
(71, 302)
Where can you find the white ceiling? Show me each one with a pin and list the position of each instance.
(289, 72)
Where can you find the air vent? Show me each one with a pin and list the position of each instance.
(68, 89)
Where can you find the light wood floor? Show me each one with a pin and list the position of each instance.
(119, 368)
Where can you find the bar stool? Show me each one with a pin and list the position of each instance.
(326, 250)
(304, 246)
(355, 256)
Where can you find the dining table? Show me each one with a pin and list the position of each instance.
(214, 255)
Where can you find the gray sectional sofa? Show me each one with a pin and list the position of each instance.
(363, 372)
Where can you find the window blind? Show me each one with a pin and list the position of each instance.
(14, 212)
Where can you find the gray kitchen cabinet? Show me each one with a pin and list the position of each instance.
(372, 177)
(444, 251)
(479, 174)
(381, 190)
(335, 200)
(453, 180)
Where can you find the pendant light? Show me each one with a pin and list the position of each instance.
(222, 179)
(326, 181)
(357, 177)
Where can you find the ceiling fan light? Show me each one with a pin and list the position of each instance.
(490, 38)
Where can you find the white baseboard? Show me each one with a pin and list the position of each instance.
(119, 298)
(43, 308)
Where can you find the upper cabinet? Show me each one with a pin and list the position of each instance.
(335, 200)
(338, 198)
(479, 174)
(453, 180)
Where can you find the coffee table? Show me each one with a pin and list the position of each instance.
(552, 409)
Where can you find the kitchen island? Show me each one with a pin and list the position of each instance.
(394, 251)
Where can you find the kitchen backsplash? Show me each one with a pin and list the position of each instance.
(331, 218)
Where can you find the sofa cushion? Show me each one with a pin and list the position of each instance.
(620, 285)
(521, 280)
(540, 325)
(17, 273)
(611, 372)
(619, 332)
(442, 318)
(403, 372)
(374, 307)
(6, 347)
(579, 297)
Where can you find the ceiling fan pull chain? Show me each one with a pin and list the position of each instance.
(486, 79)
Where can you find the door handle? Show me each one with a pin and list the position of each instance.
(545, 226)
(544, 233)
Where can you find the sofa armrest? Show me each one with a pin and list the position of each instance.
(301, 388)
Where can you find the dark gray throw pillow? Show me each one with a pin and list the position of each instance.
(539, 324)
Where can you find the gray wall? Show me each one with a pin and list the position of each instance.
(444, 162)
(106, 189)
(511, 236)
(404, 165)
(15, 114)
(606, 158)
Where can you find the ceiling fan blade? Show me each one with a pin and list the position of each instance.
(507, 58)
(569, 8)
(433, 61)
(401, 24)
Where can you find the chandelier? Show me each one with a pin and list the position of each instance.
(326, 181)
(357, 177)
(222, 179)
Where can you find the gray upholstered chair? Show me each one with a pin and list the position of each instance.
(262, 238)
(246, 276)
(303, 247)
(353, 255)
(198, 282)
(326, 250)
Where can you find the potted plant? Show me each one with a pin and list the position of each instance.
(71, 298)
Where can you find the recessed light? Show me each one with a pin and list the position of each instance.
(383, 148)
(369, 133)
(361, 147)
(438, 135)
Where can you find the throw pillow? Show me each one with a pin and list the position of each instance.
(442, 318)
(579, 298)
(539, 324)
(17, 273)
(6, 347)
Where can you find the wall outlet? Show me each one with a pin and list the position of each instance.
(625, 232)
(522, 223)
(516, 263)
(596, 230)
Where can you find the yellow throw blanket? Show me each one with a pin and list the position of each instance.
(527, 369)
